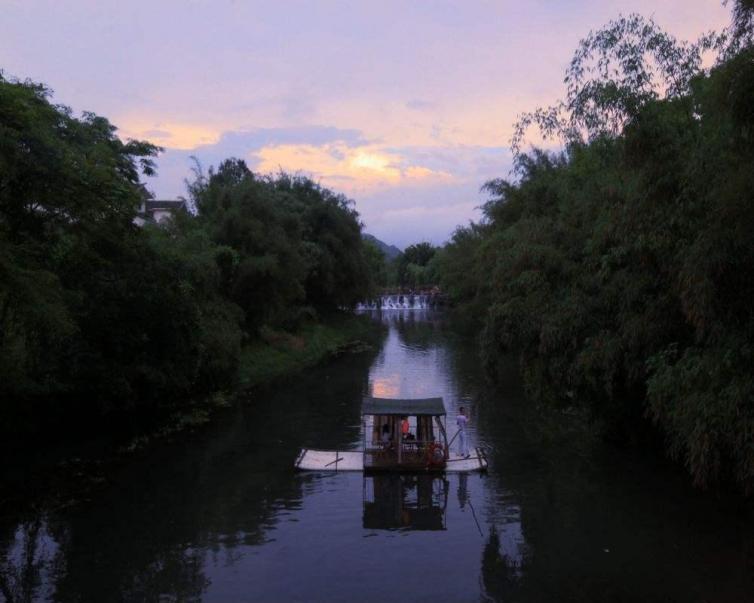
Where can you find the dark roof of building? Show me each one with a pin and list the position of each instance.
(155, 204)
(410, 406)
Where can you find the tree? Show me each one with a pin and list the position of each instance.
(97, 316)
(64, 183)
(412, 266)
(377, 264)
(614, 72)
(743, 23)
(293, 248)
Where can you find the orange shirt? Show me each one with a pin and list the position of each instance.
(404, 426)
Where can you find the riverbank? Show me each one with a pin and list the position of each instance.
(275, 355)
(279, 354)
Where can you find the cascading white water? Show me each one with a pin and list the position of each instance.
(399, 301)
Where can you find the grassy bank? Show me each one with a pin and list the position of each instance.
(277, 354)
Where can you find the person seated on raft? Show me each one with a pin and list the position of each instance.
(404, 428)
(385, 436)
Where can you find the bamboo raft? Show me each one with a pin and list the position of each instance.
(353, 460)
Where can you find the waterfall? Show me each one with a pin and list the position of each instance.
(402, 301)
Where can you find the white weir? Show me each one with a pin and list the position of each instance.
(400, 301)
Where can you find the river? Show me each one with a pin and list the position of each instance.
(221, 516)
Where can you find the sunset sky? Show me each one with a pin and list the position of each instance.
(406, 107)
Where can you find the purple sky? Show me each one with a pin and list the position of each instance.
(406, 107)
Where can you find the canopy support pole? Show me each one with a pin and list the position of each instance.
(399, 436)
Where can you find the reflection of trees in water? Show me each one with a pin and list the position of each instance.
(176, 572)
(501, 575)
(600, 526)
(27, 554)
(150, 534)
(595, 524)
(324, 409)
(133, 543)
(417, 329)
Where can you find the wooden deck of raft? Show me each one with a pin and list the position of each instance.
(353, 460)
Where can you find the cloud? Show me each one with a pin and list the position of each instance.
(171, 134)
(200, 138)
(340, 158)
(175, 163)
(355, 170)
(401, 217)
(313, 135)
(163, 134)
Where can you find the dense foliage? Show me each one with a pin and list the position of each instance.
(98, 315)
(411, 269)
(380, 268)
(291, 248)
(621, 268)
(414, 268)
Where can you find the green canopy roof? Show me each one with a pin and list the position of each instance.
(409, 406)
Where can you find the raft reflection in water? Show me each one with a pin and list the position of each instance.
(405, 502)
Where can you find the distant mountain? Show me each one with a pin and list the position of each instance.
(391, 251)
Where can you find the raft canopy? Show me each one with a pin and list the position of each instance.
(407, 406)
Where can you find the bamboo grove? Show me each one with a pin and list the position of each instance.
(621, 268)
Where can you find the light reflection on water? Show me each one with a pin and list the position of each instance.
(221, 516)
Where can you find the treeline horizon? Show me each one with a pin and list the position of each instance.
(621, 269)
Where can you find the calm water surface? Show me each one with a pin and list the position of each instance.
(221, 516)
